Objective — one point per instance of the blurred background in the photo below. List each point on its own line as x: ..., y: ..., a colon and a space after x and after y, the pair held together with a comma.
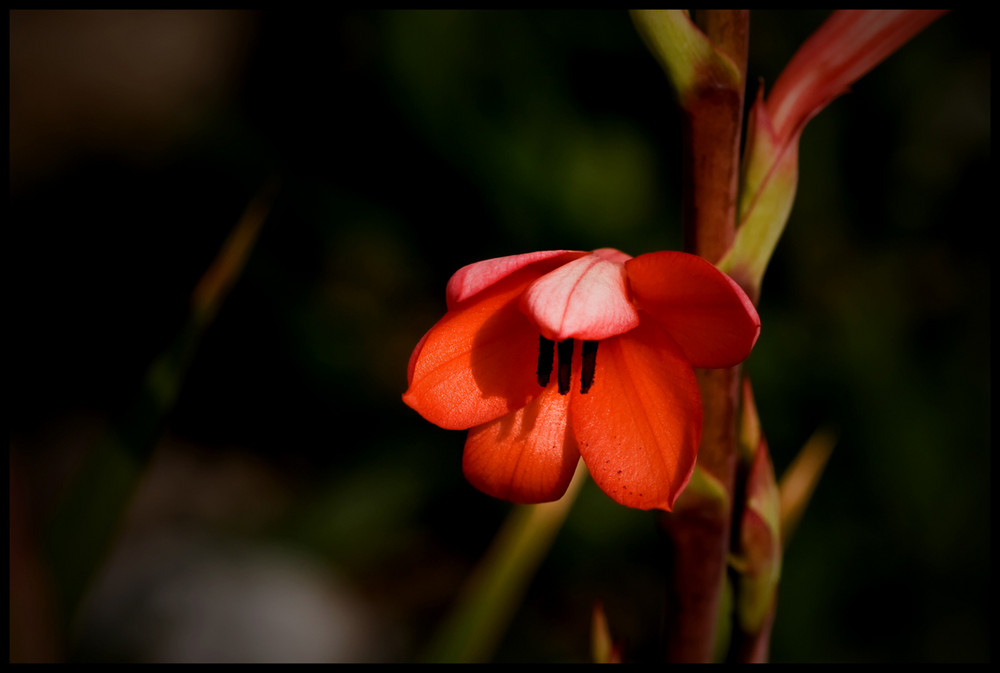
x: 289, y: 507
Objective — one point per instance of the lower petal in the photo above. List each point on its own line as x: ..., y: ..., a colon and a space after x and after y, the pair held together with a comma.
x: 639, y: 426
x: 527, y: 456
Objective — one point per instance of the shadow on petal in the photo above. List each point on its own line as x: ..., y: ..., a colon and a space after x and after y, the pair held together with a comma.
x: 477, y: 363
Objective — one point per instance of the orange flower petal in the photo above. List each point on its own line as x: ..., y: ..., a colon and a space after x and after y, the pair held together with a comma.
x: 700, y: 307
x: 528, y: 456
x: 586, y: 298
x: 639, y: 426
x: 478, y: 362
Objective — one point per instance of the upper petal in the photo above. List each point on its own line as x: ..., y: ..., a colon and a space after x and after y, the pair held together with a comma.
x: 586, y: 298
x: 478, y: 362
x: 701, y: 308
x: 613, y: 255
x: 472, y: 279
x: 639, y: 427
x: 527, y: 456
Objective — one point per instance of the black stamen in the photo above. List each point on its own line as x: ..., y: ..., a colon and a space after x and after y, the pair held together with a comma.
x: 565, y: 362
x: 589, y: 363
x: 546, y: 351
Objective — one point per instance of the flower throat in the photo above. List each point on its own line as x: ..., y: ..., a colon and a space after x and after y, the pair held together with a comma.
x: 546, y: 358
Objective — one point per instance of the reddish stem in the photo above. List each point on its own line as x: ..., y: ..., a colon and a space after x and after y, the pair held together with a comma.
x: 713, y: 124
x: 699, y: 530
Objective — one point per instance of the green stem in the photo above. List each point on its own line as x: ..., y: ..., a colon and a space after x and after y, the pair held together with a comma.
x: 89, y: 515
x: 480, y: 616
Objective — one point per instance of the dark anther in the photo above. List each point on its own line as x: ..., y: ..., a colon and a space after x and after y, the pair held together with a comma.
x: 565, y: 362
x: 546, y: 351
x: 589, y: 363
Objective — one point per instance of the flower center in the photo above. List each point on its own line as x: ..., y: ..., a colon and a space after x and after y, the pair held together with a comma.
x: 547, y: 354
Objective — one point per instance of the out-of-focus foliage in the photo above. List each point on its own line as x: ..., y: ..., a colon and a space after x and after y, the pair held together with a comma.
x: 408, y: 144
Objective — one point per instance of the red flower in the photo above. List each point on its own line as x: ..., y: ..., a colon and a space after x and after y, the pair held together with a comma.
x: 502, y: 363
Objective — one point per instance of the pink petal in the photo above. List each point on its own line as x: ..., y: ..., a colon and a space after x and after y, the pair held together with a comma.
x: 477, y: 363
x: 586, y: 298
x: 700, y: 307
x: 472, y: 279
x: 528, y: 456
x: 639, y: 426
x: 613, y: 255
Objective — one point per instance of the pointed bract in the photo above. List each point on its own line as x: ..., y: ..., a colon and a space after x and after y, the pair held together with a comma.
x: 842, y: 50
x: 848, y: 44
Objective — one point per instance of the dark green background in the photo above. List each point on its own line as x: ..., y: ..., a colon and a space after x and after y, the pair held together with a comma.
x: 408, y: 144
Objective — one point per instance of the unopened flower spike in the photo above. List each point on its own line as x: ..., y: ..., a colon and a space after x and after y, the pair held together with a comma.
x: 846, y: 47
x: 553, y: 356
